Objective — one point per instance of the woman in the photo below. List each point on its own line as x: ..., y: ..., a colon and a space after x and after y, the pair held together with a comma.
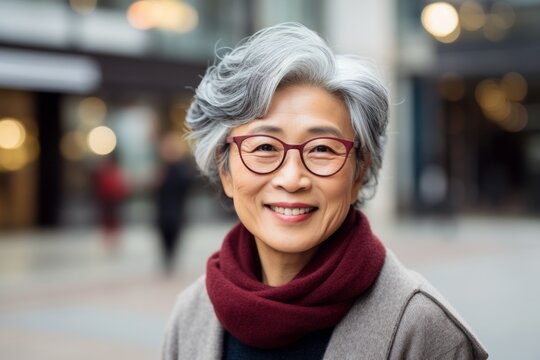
x: 293, y: 134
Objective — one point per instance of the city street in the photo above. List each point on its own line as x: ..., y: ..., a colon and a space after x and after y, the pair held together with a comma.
x: 64, y: 296
x: 118, y: 114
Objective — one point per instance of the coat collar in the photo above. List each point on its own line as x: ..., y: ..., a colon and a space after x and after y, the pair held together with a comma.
x: 373, y: 318
x: 368, y: 328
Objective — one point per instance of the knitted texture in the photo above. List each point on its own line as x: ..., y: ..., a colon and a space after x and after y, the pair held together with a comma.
x: 344, y: 266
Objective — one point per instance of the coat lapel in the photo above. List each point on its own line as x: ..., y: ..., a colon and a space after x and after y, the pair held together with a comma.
x: 213, y: 339
x: 366, y: 332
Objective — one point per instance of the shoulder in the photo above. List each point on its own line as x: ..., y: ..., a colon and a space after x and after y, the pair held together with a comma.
x: 428, y: 323
x: 190, y: 301
x: 192, y: 321
x: 429, y: 329
x: 184, y: 313
x: 428, y: 326
x: 402, y: 314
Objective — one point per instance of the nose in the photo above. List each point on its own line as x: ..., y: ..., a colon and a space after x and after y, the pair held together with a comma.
x: 292, y: 175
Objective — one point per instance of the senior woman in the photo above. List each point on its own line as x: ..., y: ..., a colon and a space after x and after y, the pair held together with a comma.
x: 294, y: 134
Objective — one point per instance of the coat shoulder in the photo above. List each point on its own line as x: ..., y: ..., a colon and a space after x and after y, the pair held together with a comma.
x: 190, y: 301
x: 403, y: 317
x: 428, y: 329
x: 193, y: 331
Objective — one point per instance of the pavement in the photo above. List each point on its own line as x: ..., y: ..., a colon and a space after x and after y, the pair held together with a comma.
x: 65, y: 295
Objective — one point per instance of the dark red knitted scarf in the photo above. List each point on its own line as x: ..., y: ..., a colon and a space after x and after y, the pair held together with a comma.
x: 345, y: 265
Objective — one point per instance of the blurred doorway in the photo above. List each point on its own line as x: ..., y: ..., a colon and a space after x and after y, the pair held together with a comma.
x: 477, y: 144
x: 19, y: 150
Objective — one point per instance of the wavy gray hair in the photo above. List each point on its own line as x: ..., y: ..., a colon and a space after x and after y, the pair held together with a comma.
x: 240, y: 86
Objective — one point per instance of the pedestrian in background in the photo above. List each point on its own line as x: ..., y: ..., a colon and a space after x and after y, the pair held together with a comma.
x: 111, y: 189
x: 174, y: 182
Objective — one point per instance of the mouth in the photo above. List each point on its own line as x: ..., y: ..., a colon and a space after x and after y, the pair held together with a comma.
x: 291, y: 209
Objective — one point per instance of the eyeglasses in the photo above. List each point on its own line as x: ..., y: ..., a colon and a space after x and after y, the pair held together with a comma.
x: 322, y: 156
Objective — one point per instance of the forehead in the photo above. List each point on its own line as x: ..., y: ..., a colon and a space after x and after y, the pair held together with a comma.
x: 301, y: 111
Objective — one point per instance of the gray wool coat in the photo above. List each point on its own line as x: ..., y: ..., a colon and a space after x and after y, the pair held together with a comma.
x: 400, y: 317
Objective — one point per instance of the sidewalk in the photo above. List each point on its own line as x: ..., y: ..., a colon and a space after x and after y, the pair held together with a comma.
x: 62, y: 296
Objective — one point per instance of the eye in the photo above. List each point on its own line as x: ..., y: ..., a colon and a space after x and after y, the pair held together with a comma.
x: 322, y: 148
x: 265, y: 147
x: 325, y: 147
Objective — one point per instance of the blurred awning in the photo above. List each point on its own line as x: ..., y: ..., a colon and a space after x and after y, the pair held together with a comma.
x: 40, y: 70
x: 54, y: 70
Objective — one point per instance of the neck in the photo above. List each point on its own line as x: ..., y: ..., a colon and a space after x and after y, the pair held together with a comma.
x: 279, y: 268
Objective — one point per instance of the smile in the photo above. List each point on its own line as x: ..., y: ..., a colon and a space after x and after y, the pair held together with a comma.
x: 291, y: 211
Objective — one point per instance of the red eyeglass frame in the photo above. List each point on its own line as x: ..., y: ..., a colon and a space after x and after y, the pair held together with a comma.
x: 349, y: 145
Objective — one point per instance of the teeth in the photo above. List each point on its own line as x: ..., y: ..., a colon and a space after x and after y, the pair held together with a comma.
x: 289, y: 211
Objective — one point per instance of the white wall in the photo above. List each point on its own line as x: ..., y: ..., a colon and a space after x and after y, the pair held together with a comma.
x: 368, y: 28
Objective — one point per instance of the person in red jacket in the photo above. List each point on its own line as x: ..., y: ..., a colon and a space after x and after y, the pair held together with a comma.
x: 111, y: 191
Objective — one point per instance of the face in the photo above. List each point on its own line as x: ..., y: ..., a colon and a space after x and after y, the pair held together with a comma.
x: 292, y: 211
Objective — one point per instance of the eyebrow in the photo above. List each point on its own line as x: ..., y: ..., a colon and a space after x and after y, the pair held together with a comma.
x: 318, y: 130
x: 265, y: 129
x: 325, y: 130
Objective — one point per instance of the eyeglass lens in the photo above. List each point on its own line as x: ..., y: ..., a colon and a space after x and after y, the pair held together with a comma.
x: 321, y: 156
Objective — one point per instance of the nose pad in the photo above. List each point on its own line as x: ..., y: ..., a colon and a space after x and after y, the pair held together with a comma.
x: 292, y: 175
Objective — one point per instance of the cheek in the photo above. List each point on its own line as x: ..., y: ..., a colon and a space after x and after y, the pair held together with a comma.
x: 226, y: 182
x: 356, y: 180
x: 346, y: 189
x: 245, y: 188
x: 246, y: 185
x: 336, y: 193
x: 231, y: 183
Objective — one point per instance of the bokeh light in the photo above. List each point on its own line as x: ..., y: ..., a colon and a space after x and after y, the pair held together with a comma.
x: 499, y: 101
x: 492, y: 31
x: 472, y: 16
x: 515, y: 86
x: 492, y: 99
x: 73, y: 145
x: 503, y: 15
x: 32, y: 147
x: 171, y: 15
x: 101, y: 140
x: 178, y: 16
x: 14, y: 159
x: 517, y: 119
x: 489, y: 95
x: 12, y: 133
x: 140, y: 15
x: 92, y: 112
x: 83, y: 7
x: 440, y: 19
x: 453, y: 36
x: 499, y: 21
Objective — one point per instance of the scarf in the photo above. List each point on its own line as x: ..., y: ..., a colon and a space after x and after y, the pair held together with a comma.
x: 345, y: 265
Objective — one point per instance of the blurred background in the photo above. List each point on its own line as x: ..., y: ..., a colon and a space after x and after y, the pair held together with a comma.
x: 93, y: 95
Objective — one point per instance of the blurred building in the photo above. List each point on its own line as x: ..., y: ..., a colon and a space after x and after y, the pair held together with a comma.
x: 82, y: 78
x: 469, y: 101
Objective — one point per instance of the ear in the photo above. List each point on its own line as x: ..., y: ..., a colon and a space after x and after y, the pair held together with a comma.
x: 357, y: 185
x: 226, y: 181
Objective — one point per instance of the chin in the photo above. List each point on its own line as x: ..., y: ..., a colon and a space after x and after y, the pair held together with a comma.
x: 292, y: 246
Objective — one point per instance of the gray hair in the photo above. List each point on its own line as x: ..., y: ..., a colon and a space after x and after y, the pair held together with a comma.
x: 240, y: 86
